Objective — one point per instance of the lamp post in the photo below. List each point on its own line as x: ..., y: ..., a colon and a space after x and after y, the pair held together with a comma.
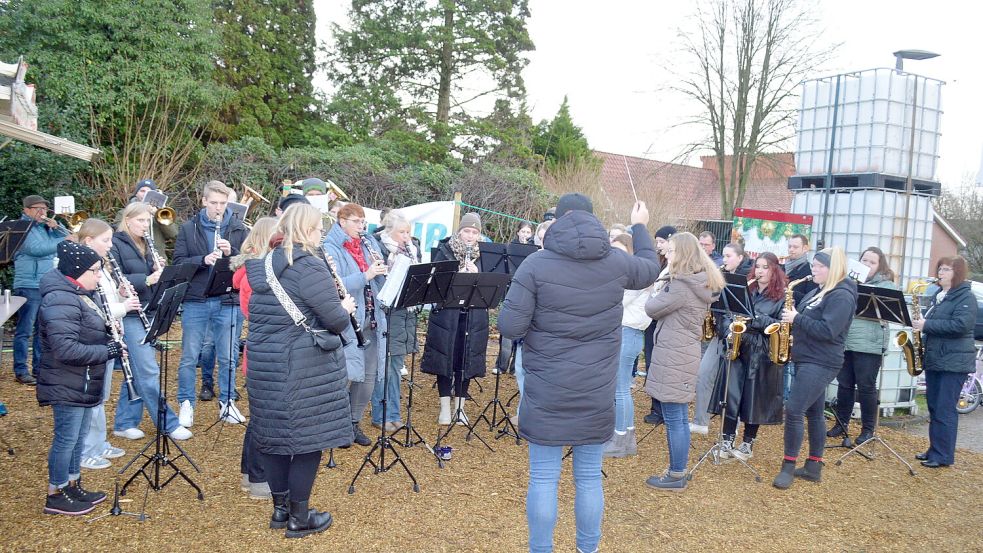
x: 899, y: 57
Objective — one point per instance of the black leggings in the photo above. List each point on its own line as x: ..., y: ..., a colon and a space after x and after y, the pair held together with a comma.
x: 447, y: 386
x: 293, y: 473
x: 859, y: 371
x: 730, y: 429
x: 805, y: 401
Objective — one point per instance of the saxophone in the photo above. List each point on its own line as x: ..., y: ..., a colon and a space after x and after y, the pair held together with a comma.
x: 737, y: 329
x: 709, y: 325
x: 912, y: 348
x: 780, y: 334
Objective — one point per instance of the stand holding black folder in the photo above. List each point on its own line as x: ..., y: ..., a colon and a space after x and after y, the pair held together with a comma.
x: 12, y: 235
x: 884, y: 306
x: 470, y: 291
x: 424, y: 283
x: 735, y: 300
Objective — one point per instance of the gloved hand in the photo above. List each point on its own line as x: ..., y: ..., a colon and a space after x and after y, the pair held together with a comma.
x: 115, y: 349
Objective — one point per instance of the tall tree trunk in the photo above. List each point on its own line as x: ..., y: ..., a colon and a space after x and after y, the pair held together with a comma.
x: 446, y: 71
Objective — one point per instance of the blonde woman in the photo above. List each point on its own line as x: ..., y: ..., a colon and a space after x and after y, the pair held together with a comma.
x: 679, y: 308
x: 298, y: 385
x: 137, y: 264
x: 820, y: 324
x: 256, y: 245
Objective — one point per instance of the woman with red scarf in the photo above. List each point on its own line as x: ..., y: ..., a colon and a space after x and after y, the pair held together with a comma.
x: 363, y: 278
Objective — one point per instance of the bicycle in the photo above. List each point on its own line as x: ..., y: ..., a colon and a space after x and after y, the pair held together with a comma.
x: 972, y: 393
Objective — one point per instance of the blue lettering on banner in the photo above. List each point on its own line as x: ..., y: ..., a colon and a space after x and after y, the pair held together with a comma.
x: 430, y: 234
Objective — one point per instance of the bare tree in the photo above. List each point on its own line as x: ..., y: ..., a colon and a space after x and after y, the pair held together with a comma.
x: 743, y: 65
x: 963, y: 209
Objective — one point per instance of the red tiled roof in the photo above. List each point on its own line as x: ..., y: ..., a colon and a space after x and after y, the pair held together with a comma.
x: 694, y: 191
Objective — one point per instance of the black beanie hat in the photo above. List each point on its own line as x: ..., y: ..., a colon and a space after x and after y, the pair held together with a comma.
x: 291, y: 199
x: 74, y: 259
x: 145, y: 182
x: 573, y: 202
x: 665, y: 232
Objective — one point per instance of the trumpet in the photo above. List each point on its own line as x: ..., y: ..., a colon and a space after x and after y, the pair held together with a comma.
x: 74, y: 221
x: 165, y: 216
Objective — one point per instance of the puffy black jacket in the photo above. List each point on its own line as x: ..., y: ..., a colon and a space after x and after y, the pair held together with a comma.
x: 948, y: 331
x: 445, y: 335
x: 192, y: 245
x: 566, y: 301
x: 298, y: 393
x: 819, y: 331
x: 74, y: 342
x: 134, y: 265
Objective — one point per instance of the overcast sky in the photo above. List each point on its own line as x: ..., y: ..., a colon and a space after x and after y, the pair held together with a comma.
x: 610, y: 61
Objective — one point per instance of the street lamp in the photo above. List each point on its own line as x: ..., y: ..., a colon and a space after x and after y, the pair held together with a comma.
x: 902, y: 55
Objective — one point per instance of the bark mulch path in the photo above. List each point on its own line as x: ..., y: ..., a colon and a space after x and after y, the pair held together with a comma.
x: 477, y: 503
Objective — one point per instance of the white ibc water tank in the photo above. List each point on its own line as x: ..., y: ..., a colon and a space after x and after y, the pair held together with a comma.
x: 873, y: 124
x: 862, y: 218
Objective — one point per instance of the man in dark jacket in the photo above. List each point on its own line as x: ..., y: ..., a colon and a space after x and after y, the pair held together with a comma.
x: 798, y: 265
x: 202, y: 241
x: 565, y: 301
x: 76, y: 349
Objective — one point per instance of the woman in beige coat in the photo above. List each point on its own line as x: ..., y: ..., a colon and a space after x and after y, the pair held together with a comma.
x: 694, y: 281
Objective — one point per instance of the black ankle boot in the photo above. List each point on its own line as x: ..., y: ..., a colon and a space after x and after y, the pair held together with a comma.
x: 304, y: 521
x: 785, y: 478
x: 76, y: 492
x: 812, y: 471
x: 360, y: 437
x: 835, y: 432
x: 281, y: 511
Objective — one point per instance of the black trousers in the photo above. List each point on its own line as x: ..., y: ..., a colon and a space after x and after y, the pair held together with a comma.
x: 859, y: 373
x: 292, y: 473
x: 250, y: 463
x: 942, y: 390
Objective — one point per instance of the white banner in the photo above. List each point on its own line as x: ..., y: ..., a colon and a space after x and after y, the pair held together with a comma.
x: 431, y: 222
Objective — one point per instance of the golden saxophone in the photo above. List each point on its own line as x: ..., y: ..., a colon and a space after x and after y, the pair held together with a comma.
x: 780, y: 334
x: 737, y: 329
x: 709, y: 326
x: 912, y: 348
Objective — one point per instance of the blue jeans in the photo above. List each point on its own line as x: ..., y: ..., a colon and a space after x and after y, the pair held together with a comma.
x: 392, y: 392
x: 206, y: 360
x: 789, y: 375
x: 197, y: 317
x: 624, y: 405
x: 95, y: 434
x: 146, y: 379
x: 942, y: 390
x: 27, y: 325
x: 544, y: 479
x: 677, y: 434
x: 65, y: 455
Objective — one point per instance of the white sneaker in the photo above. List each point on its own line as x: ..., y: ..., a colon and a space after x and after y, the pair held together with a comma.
x: 698, y: 429
x: 129, y: 433
x: 186, y: 417
x: 230, y: 414
x: 403, y: 371
x: 113, y: 453
x: 95, y: 463
x: 180, y: 433
x: 744, y: 452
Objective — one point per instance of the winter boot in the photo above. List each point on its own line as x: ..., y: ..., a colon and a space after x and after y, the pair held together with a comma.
x: 444, y: 418
x: 784, y: 478
x: 304, y: 521
x: 280, y: 510
x: 631, y: 445
x: 812, y: 471
x: 615, y: 447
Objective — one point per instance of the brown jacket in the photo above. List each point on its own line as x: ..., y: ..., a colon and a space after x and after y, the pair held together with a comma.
x: 679, y: 310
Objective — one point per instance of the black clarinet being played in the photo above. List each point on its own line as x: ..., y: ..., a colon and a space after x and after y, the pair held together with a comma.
x: 361, y: 341
x: 116, y: 331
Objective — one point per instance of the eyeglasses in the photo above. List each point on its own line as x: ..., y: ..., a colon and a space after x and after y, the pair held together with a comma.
x: 96, y: 271
x: 358, y: 222
x: 946, y: 269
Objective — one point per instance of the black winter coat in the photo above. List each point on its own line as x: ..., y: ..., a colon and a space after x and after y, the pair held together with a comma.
x: 402, y: 323
x: 948, y: 331
x: 819, y: 331
x: 801, y: 289
x: 134, y: 265
x: 298, y: 393
x: 74, y: 342
x: 445, y: 335
x: 756, y: 384
x: 191, y: 247
x: 566, y: 301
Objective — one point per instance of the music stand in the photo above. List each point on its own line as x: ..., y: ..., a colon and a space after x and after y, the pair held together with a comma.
x: 428, y: 283
x: 493, y: 258
x: 220, y: 284
x: 884, y: 306
x: 470, y: 291
x: 418, y: 276
x: 12, y: 235
x: 736, y: 300
x: 159, y: 327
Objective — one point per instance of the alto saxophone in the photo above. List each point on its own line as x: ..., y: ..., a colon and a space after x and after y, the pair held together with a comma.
x: 737, y: 329
x: 912, y: 348
x: 780, y: 334
x: 709, y: 326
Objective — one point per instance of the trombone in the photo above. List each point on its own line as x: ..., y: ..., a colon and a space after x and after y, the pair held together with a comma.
x: 74, y: 220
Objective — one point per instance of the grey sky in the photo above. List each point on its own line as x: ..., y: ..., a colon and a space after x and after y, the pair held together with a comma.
x: 609, y: 58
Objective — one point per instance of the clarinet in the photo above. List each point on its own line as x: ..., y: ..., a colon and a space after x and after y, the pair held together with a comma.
x: 218, y: 234
x: 149, y: 239
x: 117, y: 332
x: 121, y: 280
x: 361, y: 341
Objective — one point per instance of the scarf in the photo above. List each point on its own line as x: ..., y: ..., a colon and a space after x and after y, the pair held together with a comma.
x: 463, y: 252
x: 791, y: 264
x: 354, y: 247
x: 409, y: 250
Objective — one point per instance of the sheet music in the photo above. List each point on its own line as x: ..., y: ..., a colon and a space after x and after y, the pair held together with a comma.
x: 857, y: 270
x: 394, y: 281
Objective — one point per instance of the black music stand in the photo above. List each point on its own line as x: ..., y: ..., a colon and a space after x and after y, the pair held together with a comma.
x: 416, y: 275
x: 736, y: 300
x: 12, y: 235
x: 470, y: 291
x: 220, y: 284
x: 884, y: 306
x: 159, y: 327
x: 427, y: 283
